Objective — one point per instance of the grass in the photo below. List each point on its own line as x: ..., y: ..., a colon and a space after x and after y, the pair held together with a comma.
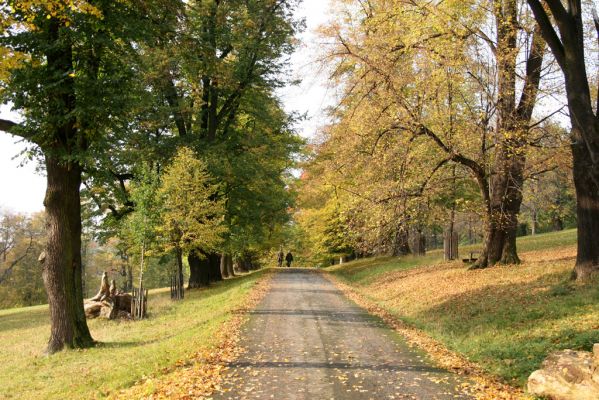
x: 506, y: 319
x: 127, y: 350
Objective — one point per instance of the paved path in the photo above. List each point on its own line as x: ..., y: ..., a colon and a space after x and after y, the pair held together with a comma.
x: 306, y: 340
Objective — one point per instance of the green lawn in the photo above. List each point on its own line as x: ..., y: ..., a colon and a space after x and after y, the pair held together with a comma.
x: 364, y: 271
x: 507, y: 318
x: 128, y: 350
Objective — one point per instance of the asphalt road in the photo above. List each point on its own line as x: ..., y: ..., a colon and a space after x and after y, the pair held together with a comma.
x: 306, y: 340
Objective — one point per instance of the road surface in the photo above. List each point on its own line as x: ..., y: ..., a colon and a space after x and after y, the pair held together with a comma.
x: 306, y: 340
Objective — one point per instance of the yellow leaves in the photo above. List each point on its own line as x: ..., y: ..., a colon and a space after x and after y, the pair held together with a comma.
x: 483, y: 386
x: 60, y: 9
x: 203, y: 373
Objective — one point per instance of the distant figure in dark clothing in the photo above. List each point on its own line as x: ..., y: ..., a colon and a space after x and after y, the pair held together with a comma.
x: 289, y: 258
x: 280, y: 258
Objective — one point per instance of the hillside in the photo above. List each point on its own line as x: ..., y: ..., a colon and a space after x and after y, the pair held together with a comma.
x: 505, y: 318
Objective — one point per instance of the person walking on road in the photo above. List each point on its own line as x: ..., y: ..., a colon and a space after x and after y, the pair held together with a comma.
x: 289, y: 259
x: 280, y: 258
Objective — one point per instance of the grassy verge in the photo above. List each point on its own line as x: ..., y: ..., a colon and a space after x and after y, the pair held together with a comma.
x: 128, y: 350
x: 506, y: 319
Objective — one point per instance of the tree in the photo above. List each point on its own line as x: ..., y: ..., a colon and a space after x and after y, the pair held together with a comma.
x: 192, y: 211
x: 21, y: 242
x: 71, y: 90
x: 568, y: 48
x: 140, y: 227
x: 454, y: 102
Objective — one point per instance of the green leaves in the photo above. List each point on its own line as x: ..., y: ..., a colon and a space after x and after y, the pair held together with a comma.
x: 193, y: 209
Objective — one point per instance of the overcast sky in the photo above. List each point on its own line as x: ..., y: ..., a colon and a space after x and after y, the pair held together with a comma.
x: 22, y: 189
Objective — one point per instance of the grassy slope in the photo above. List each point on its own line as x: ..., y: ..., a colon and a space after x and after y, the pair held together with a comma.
x: 505, y: 318
x: 128, y: 350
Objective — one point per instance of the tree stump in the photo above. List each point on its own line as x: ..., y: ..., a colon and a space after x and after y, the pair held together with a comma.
x: 109, y: 303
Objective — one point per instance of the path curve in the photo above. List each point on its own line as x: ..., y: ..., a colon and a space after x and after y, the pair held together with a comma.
x: 306, y: 340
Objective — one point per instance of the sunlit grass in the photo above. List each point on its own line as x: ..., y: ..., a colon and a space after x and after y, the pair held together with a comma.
x: 127, y: 350
x: 505, y: 318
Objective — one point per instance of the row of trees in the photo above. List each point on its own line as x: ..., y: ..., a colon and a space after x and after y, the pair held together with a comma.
x: 146, y: 106
x: 449, y: 108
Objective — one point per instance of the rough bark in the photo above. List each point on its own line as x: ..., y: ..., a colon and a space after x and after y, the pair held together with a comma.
x: 587, y: 212
x: 505, y: 197
x: 198, y: 271
x: 214, y: 273
x: 62, y: 264
x: 568, y: 49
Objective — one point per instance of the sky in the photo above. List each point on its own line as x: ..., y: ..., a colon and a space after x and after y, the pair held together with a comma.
x: 22, y: 188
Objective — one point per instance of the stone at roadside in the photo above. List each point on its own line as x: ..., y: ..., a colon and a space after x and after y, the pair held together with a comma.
x: 568, y: 375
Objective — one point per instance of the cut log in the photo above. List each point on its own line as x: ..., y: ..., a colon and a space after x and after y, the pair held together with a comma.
x: 104, y: 289
x: 109, y: 303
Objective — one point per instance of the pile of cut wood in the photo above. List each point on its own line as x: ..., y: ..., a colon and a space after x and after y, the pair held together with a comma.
x: 109, y: 303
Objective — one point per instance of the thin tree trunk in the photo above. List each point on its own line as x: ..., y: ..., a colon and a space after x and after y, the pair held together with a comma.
x: 179, y: 283
x: 401, y: 245
x: 223, y: 266
x: 230, y: 265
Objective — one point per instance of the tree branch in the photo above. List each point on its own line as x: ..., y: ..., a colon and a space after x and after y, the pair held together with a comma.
x: 534, y: 65
x: 7, y: 271
x: 549, y: 33
x: 8, y: 126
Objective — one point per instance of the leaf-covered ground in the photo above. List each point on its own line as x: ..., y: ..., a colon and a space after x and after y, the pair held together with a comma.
x: 130, y: 352
x: 200, y: 375
x: 505, y: 319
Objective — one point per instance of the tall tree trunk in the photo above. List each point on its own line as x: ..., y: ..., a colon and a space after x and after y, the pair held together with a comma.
x: 62, y: 264
x: 401, y: 245
x: 214, y: 267
x: 230, y: 265
x: 223, y: 266
x: 568, y: 49
x: 506, y: 201
x: 179, y: 256
x: 62, y: 270
x: 587, y: 212
x: 198, y: 271
x: 505, y: 197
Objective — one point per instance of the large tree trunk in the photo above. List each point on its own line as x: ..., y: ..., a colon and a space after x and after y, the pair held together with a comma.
x: 62, y: 263
x: 198, y: 271
x: 401, y: 245
x: 214, y: 267
x: 505, y: 197
x: 587, y: 212
x: 62, y: 270
x: 506, y: 200
x: 568, y: 49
